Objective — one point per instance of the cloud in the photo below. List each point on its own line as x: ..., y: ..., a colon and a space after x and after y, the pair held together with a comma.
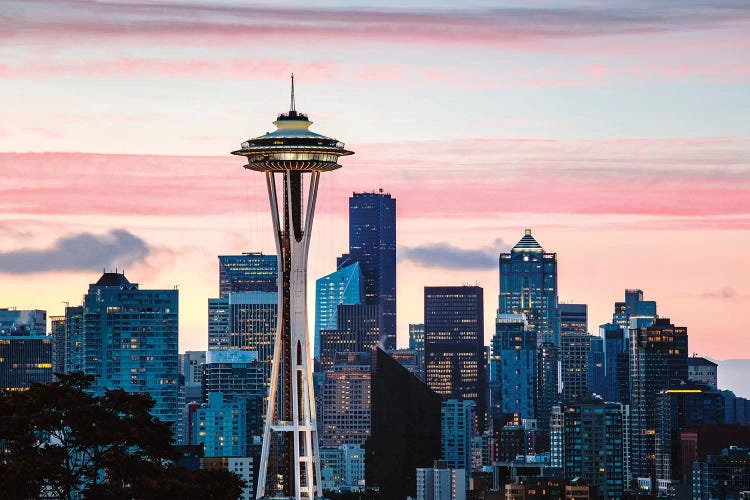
x: 447, y: 256
x: 79, y: 252
x: 228, y: 23
x: 724, y: 293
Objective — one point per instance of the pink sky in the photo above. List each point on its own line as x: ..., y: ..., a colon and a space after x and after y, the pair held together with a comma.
x: 620, y: 135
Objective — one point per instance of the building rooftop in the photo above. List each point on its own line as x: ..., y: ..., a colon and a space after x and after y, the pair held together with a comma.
x: 698, y: 361
x: 527, y: 244
x: 112, y: 279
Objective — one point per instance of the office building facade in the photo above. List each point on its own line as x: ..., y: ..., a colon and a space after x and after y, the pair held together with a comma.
x: 454, y: 344
x: 575, y: 349
x: 248, y: 272
x: 658, y: 361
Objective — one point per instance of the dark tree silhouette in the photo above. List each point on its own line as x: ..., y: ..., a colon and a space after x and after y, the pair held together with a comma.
x: 59, y: 441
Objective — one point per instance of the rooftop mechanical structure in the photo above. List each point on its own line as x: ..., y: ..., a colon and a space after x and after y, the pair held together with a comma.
x: 292, y: 159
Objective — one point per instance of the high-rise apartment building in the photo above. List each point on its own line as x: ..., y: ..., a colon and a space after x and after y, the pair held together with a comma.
x: 458, y: 428
x: 658, y: 361
x: 575, y: 348
x: 344, y: 286
x: 454, y: 344
x: 126, y: 337
x: 513, y: 367
x: 249, y: 272
x: 528, y: 285
x: 220, y: 426
x: 593, y: 445
x: 372, y: 243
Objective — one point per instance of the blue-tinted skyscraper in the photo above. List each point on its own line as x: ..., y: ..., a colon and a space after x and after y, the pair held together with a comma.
x: 454, y: 343
x: 634, y: 307
x: 513, y: 367
x: 372, y: 243
x: 126, y: 337
x: 249, y: 272
x: 344, y: 286
x: 593, y: 445
x: 458, y: 428
x: 528, y: 285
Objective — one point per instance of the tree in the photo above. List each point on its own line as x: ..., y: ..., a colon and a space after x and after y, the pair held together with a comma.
x: 59, y: 441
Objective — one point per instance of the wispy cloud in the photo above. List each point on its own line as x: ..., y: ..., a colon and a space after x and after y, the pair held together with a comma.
x: 724, y: 293
x: 495, y: 25
x: 447, y: 256
x: 78, y: 252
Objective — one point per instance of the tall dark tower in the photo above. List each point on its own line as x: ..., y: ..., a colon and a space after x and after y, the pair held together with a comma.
x: 296, y: 156
x: 372, y: 243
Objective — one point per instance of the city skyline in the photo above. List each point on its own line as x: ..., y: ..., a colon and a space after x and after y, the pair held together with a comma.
x: 652, y: 195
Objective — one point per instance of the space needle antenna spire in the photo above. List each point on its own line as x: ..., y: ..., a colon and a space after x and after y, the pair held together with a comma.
x: 292, y: 159
x: 291, y: 105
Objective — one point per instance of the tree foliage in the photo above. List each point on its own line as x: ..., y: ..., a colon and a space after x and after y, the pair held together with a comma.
x: 59, y: 441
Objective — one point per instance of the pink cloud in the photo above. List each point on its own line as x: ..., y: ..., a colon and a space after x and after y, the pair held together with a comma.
x: 671, y: 177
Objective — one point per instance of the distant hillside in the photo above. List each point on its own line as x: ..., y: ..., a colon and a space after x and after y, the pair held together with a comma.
x: 734, y: 374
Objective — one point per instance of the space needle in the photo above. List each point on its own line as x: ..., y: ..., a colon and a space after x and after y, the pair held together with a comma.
x: 292, y: 158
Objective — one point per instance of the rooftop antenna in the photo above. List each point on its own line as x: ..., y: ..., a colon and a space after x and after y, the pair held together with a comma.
x: 291, y: 106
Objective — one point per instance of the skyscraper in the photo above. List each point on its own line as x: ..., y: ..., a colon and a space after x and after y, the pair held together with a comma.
x: 454, y: 343
x: 292, y: 154
x: 546, y: 392
x: 344, y: 286
x: 345, y: 402
x: 513, y: 367
x: 25, y: 349
x: 126, y: 337
x: 249, y: 272
x: 458, y: 428
x: 528, y: 285
x: 245, y: 321
x: 372, y: 243
x: 575, y: 347
x: 593, y: 445
x: 658, y: 361
x: 357, y: 331
x: 634, y: 307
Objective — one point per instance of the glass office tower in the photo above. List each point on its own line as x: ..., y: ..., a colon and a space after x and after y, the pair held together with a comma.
x: 528, y: 285
x: 372, y: 243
